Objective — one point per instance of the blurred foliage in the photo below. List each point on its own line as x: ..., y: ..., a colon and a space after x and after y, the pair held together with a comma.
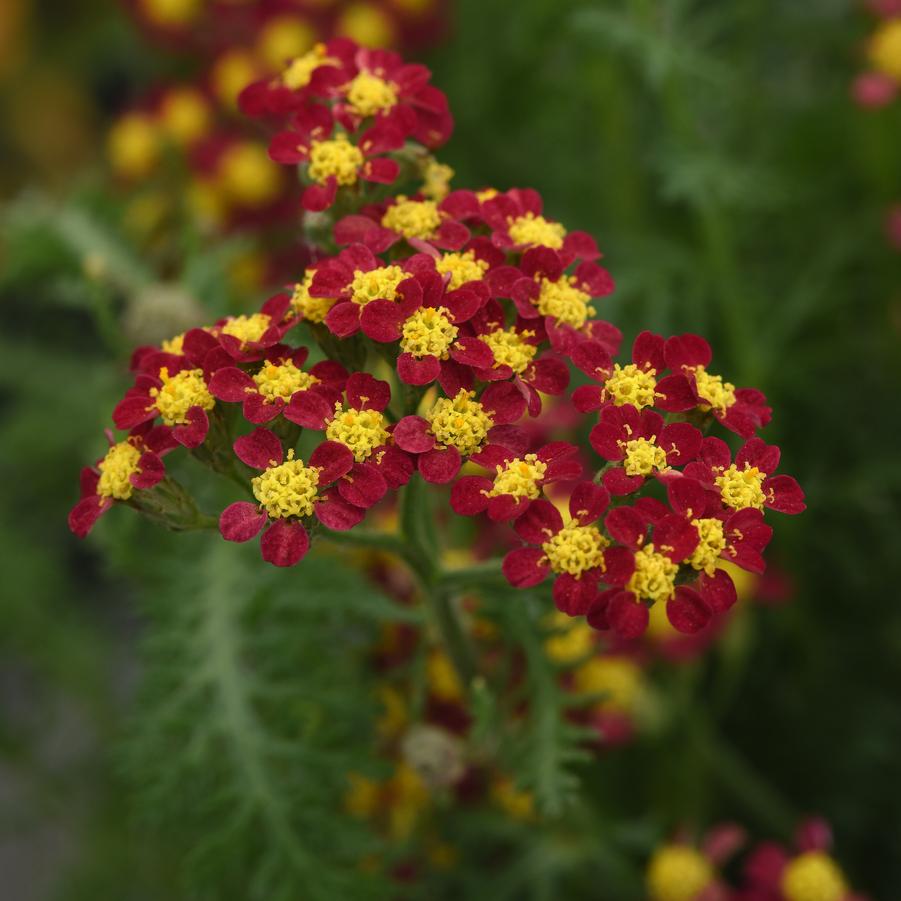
x: 714, y: 151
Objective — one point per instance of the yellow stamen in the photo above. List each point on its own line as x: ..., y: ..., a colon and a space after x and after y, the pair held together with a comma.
x: 116, y: 470
x: 460, y: 422
x: 654, y: 577
x: 336, y: 158
x: 280, y: 381
x: 532, y: 229
x: 412, y: 218
x: 564, y: 302
x: 742, y: 488
x: 362, y: 431
x: 179, y: 393
x: 429, y: 333
x: 287, y: 489
x: 575, y: 549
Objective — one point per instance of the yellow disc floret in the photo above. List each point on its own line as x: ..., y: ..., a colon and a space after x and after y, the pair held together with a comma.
x: 719, y: 395
x: 564, y: 302
x: 376, y: 284
x: 336, y: 158
x: 412, y: 218
x: 288, y: 489
x: 300, y: 71
x: 885, y: 49
x: 313, y: 309
x: 179, y: 393
x: 618, y: 679
x: 813, y: 876
x: 368, y: 94
x: 510, y: 348
x: 643, y: 457
x: 247, y: 328
x: 174, y: 345
x: 463, y: 267
x: 655, y: 575
x: 711, y: 543
x: 519, y: 477
x: 436, y: 179
x: 280, y: 381
x: 742, y: 488
x: 428, y: 333
x: 575, y: 549
x: 532, y: 229
x: 631, y: 385
x: 116, y: 470
x: 460, y: 422
x: 678, y: 873
x: 361, y: 431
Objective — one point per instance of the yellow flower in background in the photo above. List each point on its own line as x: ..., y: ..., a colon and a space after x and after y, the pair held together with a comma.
x: 618, y: 679
x: 185, y: 115
x: 678, y: 873
x: 575, y: 639
x: 885, y: 48
x: 442, y: 678
x: 282, y: 39
x: 171, y: 13
x: 133, y: 145
x: 231, y: 73
x: 247, y: 175
x: 517, y: 804
x: 813, y: 876
x: 367, y: 25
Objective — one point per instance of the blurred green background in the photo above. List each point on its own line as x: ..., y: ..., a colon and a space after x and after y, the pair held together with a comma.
x: 715, y: 152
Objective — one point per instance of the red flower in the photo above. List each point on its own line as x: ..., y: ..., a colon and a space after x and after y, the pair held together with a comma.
x: 472, y: 267
x: 245, y: 338
x: 742, y: 410
x: 129, y: 465
x: 457, y: 427
x: 333, y: 162
x: 644, y: 445
x: 748, y: 482
x: 577, y: 553
x: 289, y: 492
x: 518, y: 479
x: 266, y: 392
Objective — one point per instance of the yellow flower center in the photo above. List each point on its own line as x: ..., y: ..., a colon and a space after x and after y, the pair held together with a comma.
x: 282, y: 380
x: 299, y: 72
x: 436, y: 179
x: 574, y: 641
x: 654, y: 576
x: 368, y: 94
x: 249, y: 176
x: 564, y: 302
x: 618, y: 679
x: 247, y: 328
x: 116, y: 468
x: 719, y: 394
x: 711, y: 543
x: 463, y: 267
x: 519, y: 477
x: 361, y: 431
x: 412, y: 218
x: 179, y: 393
x: 460, y: 422
x: 642, y: 456
x: 288, y: 489
x: 174, y: 345
x: 510, y: 348
x: 532, y: 229
x: 428, y: 333
x: 336, y: 157
x: 133, y: 145
x: 741, y: 488
x: 885, y: 49
x: 284, y: 37
x: 368, y: 25
x: 185, y: 115
x: 377, y: 284
x: 813, y: 877
x: 678, y: 873
x: 575, y: 549
x: 313, y: 309
x: 631, y: 385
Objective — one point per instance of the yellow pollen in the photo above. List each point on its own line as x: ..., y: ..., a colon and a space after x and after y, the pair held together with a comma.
x: 282, y: 380
x: 368, y: 94
x: 741, y: 488
x: 299, y: 72
x: 174, y: 345
x: 361, y: 431
x: 678, y: 873
x: 719, y: 395
x: 510, y: 348
x: 618, y: 679
x: 885, y: 49
x: 463, y: 267
x: 179, y: 393
x: 573, y: 642
x: 377, y: 284
x: 336, y: 157
x: 575, y: 549
x: 654, y: 576
x: 247, y: 328
x: 288, y: 489
x: 460, y: 422
x: 532, y: 229
x: 631, y: 385
x: 428, y: 333
x: 519, y: 478
x: 313, y: 309
x: 642, y: 456
x: 116, y: 468
x: 712, y: 543
x: 813, y: 877
x: 436, y: 179
x: 412, y: 218
x: 564, y: 302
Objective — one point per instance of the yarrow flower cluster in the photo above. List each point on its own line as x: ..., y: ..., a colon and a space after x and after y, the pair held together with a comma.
x: 447, y: 325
